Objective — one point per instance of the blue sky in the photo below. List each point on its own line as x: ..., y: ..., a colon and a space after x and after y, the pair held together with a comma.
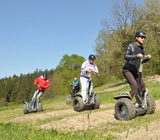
x: 37, y: 33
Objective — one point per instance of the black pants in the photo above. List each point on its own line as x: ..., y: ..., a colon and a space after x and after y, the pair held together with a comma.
x: 133, y: 82
x: 74, y: 92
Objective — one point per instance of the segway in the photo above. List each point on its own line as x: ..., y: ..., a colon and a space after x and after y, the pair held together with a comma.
x: 125, y: 109
x: 93, y: 100
x: 69, y: 98
x: 34, y: 107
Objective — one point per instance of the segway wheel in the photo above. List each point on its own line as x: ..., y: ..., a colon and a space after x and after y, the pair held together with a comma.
x: 151, y: 105
x: 97, y: 102
x: 78, y: 104
x: 124, y: 109
x: 40, y: 108
x: 25, y: 109
x: 68, y: 100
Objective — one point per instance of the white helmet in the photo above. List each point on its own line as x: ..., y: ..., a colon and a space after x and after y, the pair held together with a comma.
x: 75, y: 78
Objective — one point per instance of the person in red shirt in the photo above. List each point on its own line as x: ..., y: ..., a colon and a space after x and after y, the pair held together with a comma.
x: 41, y: 84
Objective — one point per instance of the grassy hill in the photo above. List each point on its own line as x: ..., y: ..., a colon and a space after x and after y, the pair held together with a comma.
x: 59, y: 122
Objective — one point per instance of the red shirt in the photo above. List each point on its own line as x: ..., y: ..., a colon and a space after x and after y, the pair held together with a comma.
x: 42, y: 82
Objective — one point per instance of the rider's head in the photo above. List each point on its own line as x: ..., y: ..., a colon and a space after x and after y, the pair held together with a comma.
x: 75, y: 79
x: 44, y: 75
x: 92, y: 58
x: 140, y: 37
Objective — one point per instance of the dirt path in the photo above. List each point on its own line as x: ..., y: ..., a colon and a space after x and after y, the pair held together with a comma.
x: 52, y: 114
x: 82, y: 121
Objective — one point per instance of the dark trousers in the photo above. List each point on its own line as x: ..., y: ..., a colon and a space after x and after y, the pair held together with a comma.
x: 133, y: 82
x: 74, y: 92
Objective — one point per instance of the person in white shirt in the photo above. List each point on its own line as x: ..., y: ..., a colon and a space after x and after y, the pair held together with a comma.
x: 87, y: 69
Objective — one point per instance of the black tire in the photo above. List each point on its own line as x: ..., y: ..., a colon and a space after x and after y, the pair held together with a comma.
x: 39, y: 108
x: 25, y: 108
x: 151, y: 105
x: 97, y: 102
x: 68, y: 100
x: 124, y: 109
x: 78, y: 104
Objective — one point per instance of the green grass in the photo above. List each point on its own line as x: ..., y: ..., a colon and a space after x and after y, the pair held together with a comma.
x: 15, y: 131
x: 107, y: 131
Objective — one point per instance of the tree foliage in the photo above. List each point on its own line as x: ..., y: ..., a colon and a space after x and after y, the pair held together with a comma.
x: 127, y: 19
x: 68, y: 68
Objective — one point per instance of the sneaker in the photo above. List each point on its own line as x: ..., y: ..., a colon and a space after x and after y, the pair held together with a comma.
x: 142, y: 106
x: 136, y: 104
x: 90, y: 102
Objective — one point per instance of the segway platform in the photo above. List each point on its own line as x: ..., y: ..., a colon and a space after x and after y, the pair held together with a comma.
x: 26, y: 108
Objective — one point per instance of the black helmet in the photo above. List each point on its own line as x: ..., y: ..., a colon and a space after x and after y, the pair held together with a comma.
x: 92, y: 57
x: 44, y: 74
x: 140, y: 34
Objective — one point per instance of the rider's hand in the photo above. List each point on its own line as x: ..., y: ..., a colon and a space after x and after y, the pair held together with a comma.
x: 139, y: 55
x: 148, y: 56
x: 36, y: 85
x: 41, y: 86
x: 95, y: 73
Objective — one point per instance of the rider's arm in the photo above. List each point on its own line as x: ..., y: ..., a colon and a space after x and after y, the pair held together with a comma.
x: 36, y: 82
x: 84, y: 68
x: 96, y: 72
x: 129, y: 53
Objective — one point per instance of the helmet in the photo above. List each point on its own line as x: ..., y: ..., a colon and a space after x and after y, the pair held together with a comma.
x: 92, y: 57
x: 75, y: 78
x: 140, y: 34
x: 44, y: 74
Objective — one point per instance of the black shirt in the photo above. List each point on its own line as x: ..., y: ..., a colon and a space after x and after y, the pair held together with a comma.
x: 133, y: 62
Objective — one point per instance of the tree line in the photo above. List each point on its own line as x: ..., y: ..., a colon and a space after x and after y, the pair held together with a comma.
x: 18, y: 89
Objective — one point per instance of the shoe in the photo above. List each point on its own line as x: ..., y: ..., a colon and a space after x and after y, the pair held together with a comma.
x: 90, y: 102
x: 136, y: 105
x: 142, y: 106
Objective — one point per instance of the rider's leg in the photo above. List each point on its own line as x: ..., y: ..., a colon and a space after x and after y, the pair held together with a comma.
x: 90, y: 92
x: 72, y: 94
x: 32, y: 100
x: 38, y: 96
x: 84, y: 83
x: 143, y: 89
x: 132, y: 82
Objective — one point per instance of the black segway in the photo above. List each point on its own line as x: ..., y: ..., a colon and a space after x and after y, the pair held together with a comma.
x: 125, y: 109
x: 93, y: 100
x: 69, y: 98
x: 34, y: 108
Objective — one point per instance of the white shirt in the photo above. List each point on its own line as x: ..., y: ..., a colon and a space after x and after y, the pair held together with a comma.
x: 86, y: 66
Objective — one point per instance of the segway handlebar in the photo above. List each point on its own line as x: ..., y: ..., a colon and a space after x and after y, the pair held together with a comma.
x: 145, y: 57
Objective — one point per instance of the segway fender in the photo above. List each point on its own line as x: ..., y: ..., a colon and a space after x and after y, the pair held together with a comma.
x: 145, y: 97
x: 27, y: 105
x: 123, y: 95
x: 77, y: 95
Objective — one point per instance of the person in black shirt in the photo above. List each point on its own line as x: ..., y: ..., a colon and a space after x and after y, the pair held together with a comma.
x: 134, y: 52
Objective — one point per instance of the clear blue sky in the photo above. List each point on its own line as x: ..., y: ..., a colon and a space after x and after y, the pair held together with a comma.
x: 37, y: 33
